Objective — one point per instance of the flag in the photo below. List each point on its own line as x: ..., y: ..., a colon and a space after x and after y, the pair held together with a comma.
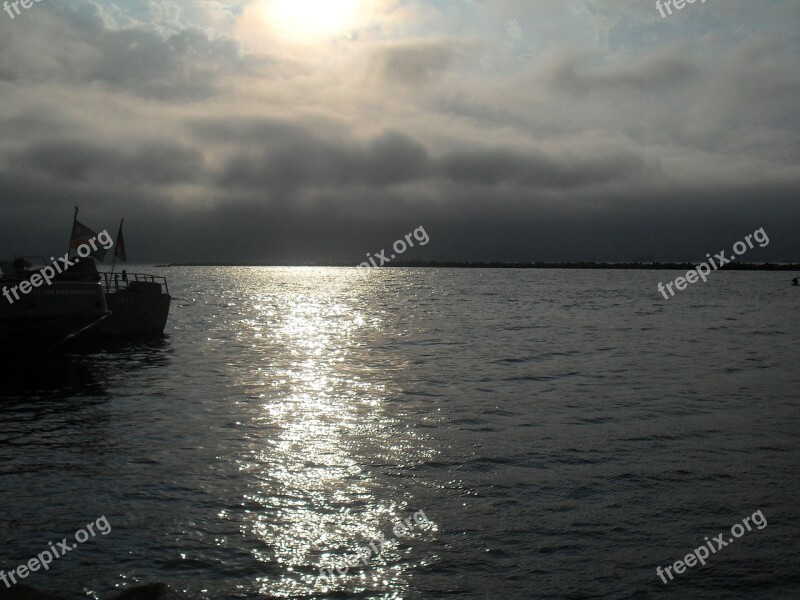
x: 119, y: 248
x: 81, y: 235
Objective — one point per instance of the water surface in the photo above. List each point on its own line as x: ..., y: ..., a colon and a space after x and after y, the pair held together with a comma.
x: 563, y: 432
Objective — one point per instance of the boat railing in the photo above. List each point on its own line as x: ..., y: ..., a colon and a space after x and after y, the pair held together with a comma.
x: 118, y: 282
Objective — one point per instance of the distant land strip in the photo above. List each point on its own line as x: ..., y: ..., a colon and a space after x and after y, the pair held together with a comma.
x: 654, y: 266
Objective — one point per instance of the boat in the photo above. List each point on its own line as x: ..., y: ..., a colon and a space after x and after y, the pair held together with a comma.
x: 139, y: 302
x: 46, y: 316
x: 796, y: 281
x: 139, y: 305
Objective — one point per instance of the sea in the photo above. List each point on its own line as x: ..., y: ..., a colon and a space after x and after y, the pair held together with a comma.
x: 418, y: 433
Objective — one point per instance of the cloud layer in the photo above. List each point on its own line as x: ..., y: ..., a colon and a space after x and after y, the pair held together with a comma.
x: 580, y: 129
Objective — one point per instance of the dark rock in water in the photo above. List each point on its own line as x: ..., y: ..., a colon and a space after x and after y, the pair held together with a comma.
x: 156, y: 591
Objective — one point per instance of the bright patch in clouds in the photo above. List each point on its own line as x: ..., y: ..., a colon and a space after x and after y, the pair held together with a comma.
x: 309, y: 20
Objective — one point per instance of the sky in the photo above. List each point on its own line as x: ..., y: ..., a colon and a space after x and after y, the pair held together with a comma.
x: 316, y: 131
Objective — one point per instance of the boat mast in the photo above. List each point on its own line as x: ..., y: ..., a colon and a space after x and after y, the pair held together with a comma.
x: 71, y: 231
x: 114, y: 262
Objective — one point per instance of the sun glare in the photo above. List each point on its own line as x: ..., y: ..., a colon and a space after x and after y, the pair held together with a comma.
x: 306, y: 20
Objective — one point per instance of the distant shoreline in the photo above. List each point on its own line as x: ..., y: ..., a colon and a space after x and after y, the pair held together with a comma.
x: 655, y: 266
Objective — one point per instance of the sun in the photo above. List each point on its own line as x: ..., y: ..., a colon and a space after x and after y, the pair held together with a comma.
x: 307, y: 20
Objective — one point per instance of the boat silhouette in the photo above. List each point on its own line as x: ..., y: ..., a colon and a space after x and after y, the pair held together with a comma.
x: 139, y: 302
x: 49, y: 315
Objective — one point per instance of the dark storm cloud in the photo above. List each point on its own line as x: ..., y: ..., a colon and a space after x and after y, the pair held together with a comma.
x: 298, y: 159
x: 508, y: 225
x: 493, y: 167
x: 288, y: 157
x: 162, y: 163
x: 465, y: 222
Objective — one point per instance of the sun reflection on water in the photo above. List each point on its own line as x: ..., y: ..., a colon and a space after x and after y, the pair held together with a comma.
x: 323, y: 430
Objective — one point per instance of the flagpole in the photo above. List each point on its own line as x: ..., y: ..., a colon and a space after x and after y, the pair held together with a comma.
x: 74, y: 220
x: 114, y: 262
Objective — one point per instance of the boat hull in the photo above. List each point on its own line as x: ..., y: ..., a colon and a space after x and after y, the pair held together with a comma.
x: 48, y: 317
x: 134, y: 312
